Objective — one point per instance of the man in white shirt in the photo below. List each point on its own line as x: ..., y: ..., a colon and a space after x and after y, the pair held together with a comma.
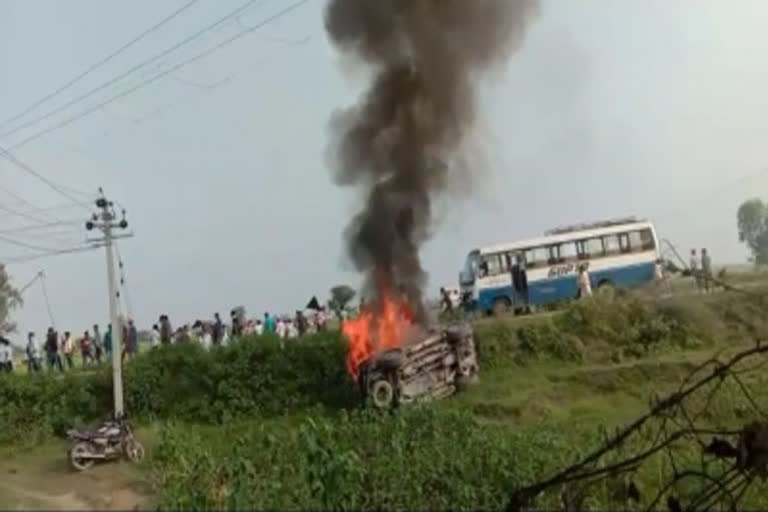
x: 154, y: 336
x: 585, y: 286
x: 6, y: 355
x: 693, y: 263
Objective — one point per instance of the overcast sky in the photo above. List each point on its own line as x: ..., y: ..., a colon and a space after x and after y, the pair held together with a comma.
x: 654, y: 108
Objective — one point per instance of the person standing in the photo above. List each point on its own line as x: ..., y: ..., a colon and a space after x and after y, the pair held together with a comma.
x: 237, y: 324
x: 693, y: 263
x: 52, y: 350
x: 706, y: 270
x: 33, y: 354
x: 585, y: 286
x: 6, y: 354
x: 280, y: 327
x: 108, y: 342
x: 269, y: 323
x: 258, y: 328
x: 166, y: 331
x: 154, y: 336
x: 218, y: 330
x: 86, y: 347
x: 445, y: 300
x: 322, y: 319
x: 206, y: 338
x: 520, y: 281
x: 97, y: 343
x: 301, y: 323
x: 131, y: 340
x: 291, y: 329
x: 68, y: 346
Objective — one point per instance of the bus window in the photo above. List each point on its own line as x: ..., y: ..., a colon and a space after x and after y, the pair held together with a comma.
x: 624, y: 242
x: 554, y: 254
x: 536, y: 257
x: 646, y: 237
x: 611, y: 243
x: 567, y: 252
x: 507, y: 259
x: 492, y: 264
x: 636, y: 241
x: 591, y: 248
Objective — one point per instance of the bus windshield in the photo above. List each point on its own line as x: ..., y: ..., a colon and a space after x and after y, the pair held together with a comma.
x: 467, y: 275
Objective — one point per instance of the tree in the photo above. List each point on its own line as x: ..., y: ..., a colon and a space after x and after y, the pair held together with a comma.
x: 10, y: 298
x: 753, y: 228
x: 341, y: 296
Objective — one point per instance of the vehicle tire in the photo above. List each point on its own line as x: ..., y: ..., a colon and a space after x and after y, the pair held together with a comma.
x: 134, y: 450
x: 383, y: 394
x: 78, y: 457
x: 501, y: 306
x: 605, y: 284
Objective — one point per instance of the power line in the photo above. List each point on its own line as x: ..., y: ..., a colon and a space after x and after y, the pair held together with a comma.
x: 41, y: 226
x: 21, y: 165
x: 57, y: 252
x: 25, y: 245
x: 22, y: 214
x: 155, y: 78
x: 131, y: 70
x: 100, y: 63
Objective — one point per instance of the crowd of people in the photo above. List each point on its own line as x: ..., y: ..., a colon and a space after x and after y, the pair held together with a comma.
x: 216, y: 332
x: 58, y: 350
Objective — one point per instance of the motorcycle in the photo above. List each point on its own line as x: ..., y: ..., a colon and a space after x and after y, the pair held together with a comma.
x: 113, y: 439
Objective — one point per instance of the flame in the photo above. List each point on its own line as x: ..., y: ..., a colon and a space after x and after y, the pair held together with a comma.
x: 373, y: 331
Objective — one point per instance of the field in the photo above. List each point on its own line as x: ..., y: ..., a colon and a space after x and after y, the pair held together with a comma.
x: 254, y: 426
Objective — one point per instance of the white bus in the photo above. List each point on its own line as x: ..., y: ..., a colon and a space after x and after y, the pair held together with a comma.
x: 621, y: 253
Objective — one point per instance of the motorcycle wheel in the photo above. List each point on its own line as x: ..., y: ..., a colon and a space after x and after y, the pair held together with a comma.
x: 134, y: 451
x: 79, y: 457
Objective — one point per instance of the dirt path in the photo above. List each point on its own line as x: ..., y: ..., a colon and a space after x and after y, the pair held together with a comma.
x: 42, y: 480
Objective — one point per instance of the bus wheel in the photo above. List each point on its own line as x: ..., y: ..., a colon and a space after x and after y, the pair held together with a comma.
x: 501, y: 305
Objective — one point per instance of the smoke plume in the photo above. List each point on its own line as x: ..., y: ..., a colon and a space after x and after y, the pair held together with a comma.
x: 401, y: 144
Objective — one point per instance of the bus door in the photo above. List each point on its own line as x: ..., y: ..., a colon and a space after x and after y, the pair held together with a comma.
x: 519, y: 278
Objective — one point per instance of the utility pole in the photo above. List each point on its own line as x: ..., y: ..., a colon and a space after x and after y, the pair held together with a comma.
x: 106, y: 221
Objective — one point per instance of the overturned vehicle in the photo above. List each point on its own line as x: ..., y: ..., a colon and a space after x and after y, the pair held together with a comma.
x: 433, y: 367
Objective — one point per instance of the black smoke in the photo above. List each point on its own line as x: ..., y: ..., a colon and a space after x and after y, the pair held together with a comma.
x: 401, y: 143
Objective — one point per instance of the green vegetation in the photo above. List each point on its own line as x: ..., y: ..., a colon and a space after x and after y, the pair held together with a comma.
x: 253, y: 425
x: 752, y: 220
x: 10, y: 298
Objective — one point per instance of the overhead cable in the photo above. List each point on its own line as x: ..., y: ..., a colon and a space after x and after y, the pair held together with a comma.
x: 100, y: 63
x: 127, y: 73
x: 157, y: 77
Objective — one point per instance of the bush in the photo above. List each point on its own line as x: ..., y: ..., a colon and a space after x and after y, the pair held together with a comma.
x: 417, y: 459
x: 252, y: 377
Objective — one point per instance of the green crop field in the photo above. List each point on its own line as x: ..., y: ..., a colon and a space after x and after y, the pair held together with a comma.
x: 252, y: 425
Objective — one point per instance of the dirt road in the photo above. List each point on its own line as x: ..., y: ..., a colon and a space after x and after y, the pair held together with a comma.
x: 41, y: 479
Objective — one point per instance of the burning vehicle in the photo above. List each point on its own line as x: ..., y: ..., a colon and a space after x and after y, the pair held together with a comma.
x: 395, y: 361
x: 411, y: 140
x: 435, y: 367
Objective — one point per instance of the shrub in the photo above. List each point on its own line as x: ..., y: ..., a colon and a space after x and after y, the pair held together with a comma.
x: 251, y: 377
x: 417, y: 459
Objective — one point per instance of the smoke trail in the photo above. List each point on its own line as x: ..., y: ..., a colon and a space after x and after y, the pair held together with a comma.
x: 401, y: 144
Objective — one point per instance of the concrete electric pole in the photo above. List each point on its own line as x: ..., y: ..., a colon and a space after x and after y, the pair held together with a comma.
x: 106, y: 221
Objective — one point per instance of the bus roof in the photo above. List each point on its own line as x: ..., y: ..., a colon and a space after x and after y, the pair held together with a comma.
x: 566, y: 237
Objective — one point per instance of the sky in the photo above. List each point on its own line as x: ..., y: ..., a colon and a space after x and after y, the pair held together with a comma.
x: 653, y: 108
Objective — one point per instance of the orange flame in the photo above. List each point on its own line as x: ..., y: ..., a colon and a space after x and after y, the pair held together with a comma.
x: 374, y: 331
